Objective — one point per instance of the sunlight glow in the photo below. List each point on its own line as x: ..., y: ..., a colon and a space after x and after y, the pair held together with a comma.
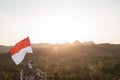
x: 61, y: 29
x: 59, y: 21
x: 55, y: 48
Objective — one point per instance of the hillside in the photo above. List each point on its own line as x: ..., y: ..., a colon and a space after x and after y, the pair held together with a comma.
x: 41, y: 45
x: 4, y: 49
x: 68, y: 62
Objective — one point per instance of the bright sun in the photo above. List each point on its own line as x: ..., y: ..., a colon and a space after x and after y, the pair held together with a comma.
x: 61, y: 29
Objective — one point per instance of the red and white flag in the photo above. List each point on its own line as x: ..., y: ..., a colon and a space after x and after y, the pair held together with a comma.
x: 19, y: 51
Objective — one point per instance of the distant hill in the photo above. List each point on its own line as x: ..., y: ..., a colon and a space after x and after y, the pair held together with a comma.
x: 41, y: 45
x: 4, y: 49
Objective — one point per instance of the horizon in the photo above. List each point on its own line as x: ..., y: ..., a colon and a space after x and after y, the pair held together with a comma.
x: 62, y: 43
x: 62, y: 21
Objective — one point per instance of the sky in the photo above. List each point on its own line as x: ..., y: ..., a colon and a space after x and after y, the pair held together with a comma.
x: 51, y: 21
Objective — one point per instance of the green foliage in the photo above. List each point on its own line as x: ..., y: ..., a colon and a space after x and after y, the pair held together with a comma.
x: 78, y: 62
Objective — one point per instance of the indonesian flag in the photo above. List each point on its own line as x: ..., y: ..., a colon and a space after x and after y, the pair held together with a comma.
x: 19, y: 51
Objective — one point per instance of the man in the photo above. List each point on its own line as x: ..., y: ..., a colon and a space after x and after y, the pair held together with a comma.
x: 21, y: 75
x: 40, y: 75
x: 30, y: 67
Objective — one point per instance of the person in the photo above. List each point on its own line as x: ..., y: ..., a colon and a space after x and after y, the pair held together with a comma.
x: 30, y: 77
x: 30, y: 67
x: 21, y: 75
x: 40, y: 75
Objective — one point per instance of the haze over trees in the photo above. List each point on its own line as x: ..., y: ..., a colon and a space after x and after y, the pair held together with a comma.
x: 77, y: 61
